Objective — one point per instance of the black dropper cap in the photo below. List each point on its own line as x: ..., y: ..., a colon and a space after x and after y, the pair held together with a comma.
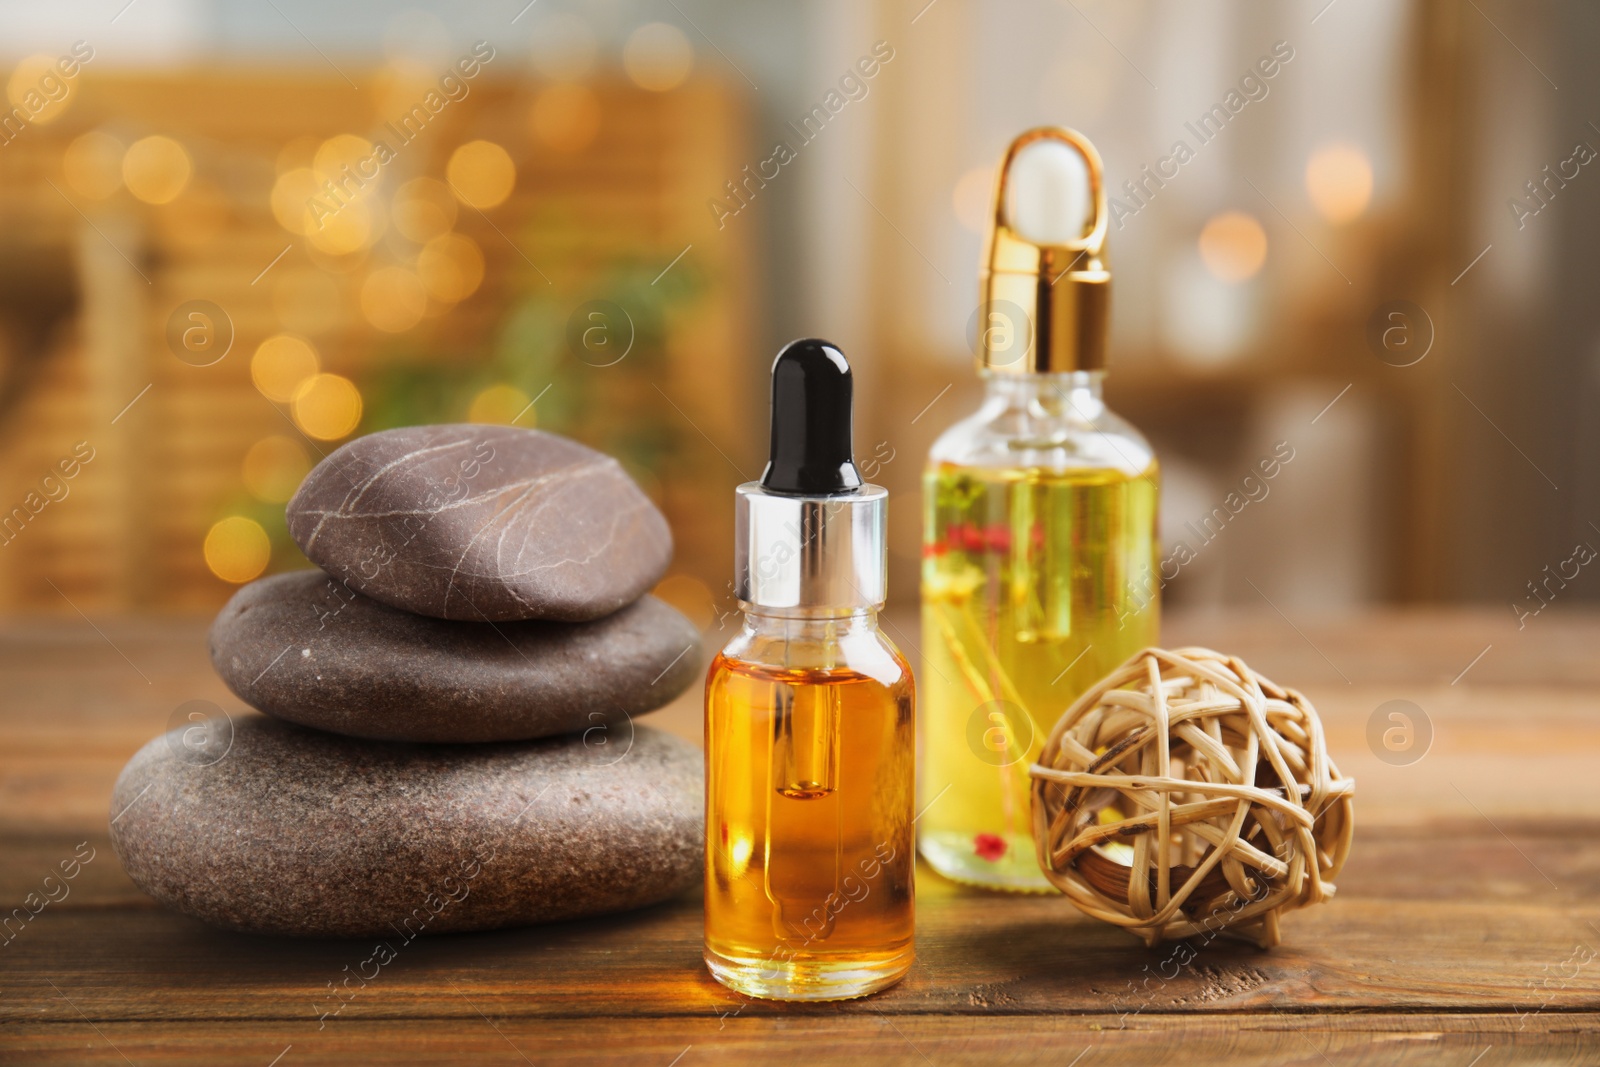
x: 811, y: 394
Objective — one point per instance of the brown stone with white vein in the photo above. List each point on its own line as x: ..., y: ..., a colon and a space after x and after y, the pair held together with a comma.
x: 481, y: 523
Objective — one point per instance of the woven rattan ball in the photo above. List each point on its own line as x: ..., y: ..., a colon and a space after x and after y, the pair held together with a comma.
x: 1185, y: 795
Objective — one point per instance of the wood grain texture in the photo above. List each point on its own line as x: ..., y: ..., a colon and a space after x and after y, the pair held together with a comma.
x: 1194, y: 1040
x: 1385, y: 944
x: 1467, y: 919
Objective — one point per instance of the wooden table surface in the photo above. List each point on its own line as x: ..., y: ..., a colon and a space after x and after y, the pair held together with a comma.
x: 1464, y: 932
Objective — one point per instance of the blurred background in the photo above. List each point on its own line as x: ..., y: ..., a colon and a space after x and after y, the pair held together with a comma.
x: 234, y: 235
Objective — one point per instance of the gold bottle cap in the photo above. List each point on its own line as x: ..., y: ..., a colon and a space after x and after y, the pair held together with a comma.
x: 1044, y: 307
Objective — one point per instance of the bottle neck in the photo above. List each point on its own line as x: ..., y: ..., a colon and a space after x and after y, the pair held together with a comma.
x: 1077, y: 393
x: 789, y: 622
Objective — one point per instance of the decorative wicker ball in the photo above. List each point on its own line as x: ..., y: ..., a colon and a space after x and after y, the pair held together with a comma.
x: 1185, y: 795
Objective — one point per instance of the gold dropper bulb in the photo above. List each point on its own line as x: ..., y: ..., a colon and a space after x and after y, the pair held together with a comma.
x: 1045, y: 307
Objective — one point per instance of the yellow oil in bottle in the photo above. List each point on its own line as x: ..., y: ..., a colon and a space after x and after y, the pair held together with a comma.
x: 809, y: 839
x: 1035, y: 584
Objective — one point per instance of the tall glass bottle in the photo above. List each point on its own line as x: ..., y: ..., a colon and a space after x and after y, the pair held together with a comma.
x: 1039, y: 547
x: 809, y: 721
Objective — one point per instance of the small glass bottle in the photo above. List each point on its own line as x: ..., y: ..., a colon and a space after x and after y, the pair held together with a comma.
x: 810, y: 716
x: 1039, y: 548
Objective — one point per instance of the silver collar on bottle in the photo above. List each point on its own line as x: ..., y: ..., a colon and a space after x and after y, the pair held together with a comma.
x: 810, y: 551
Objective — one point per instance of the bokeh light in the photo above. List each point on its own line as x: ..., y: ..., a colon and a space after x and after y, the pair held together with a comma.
x: 336, y: 225
x: 348, y: 227
x: 281, y: 365
x: 393, y: 299
x: 237, y: 549
x: 339, y: 152
x: 92, y: 165
x: 33, y: 83
x: 658, y: 57
x: 564, y: 47
x: 274, y: 468
x: 482, y: 174
x: 347, y: 217
x: 566, y: 117
x: 327, y: 407
x: 502, y: 405
x: 1233, y: 246
x: 423, y: 209
x: 1339, y: 182
x: 155, y: 169
x: 451, y: 267
x: 291, y: 196
x: 973, y: 199
x: 690, y: 596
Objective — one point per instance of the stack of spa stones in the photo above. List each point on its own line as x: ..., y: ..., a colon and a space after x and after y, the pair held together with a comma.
x: 449, y: 739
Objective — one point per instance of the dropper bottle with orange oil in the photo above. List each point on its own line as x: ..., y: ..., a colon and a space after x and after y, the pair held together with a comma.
x: 809, y: 720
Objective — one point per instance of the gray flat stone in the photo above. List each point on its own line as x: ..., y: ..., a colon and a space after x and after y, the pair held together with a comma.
x: 282, y: 830
x: 481, y: 522
x: 302, y: 647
